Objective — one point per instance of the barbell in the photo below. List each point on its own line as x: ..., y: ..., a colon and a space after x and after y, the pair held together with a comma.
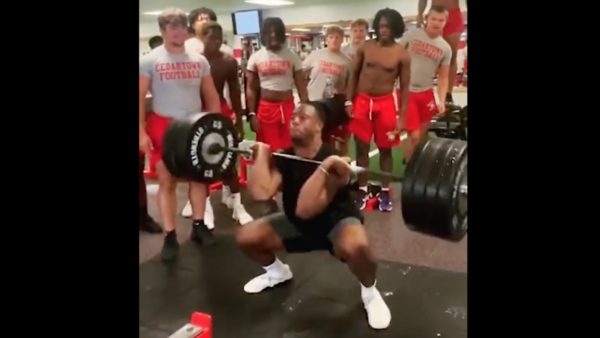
x: 434, y: 186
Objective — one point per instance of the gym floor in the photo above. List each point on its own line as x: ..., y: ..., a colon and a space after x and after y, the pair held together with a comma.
x: 423, y: 280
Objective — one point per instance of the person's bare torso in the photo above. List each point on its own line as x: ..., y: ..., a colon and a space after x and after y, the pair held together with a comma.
x: 380, y: 68
x: 448, y: 4
x: 220, y: 68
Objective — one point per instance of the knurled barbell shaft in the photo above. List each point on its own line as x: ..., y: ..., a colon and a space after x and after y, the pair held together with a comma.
x: 216, y: 148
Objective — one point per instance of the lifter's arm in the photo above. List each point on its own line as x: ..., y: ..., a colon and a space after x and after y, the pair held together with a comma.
x: 320, y: 188
x: 266, y: 180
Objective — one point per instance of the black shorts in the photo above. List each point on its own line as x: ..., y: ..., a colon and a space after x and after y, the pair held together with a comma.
x: 295, y: 241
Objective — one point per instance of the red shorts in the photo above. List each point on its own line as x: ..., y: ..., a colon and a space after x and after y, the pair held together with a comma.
x: 374, y: 116
x: 421, y: 108
x: 274, y: 123
x: 156, y: 127
x: 227, y: 111
x: 455, y: 23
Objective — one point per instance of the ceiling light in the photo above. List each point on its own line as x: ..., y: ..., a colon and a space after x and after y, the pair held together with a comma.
x: 300, y: 30
x: 270, y: 2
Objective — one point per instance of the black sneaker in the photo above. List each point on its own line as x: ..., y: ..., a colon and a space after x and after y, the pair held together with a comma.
x: 170, y: 248
x: 201, y: 234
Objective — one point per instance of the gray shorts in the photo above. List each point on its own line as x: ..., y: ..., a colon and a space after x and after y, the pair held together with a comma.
x: 295, y: 241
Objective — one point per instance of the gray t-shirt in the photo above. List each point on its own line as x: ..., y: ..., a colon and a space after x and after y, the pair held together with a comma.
x: 325, y: 65
x: 176, y: 80
x: 426, y: 57
x: 275, y: 69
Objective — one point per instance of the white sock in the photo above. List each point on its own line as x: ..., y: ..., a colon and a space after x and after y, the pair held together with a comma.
x: 365, y: 188
x: 276, y: 269
x: 367, y: 293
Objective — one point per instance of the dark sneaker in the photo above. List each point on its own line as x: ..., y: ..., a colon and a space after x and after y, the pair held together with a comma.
x: 201, y: 234
x: 385, y: 202
x: 170, y: 249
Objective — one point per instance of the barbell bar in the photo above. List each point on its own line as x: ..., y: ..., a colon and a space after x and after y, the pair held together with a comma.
x: 216, y: 148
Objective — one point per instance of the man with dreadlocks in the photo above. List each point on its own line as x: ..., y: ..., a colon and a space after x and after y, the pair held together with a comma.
x: 272, y: 72
x: 376, y: 66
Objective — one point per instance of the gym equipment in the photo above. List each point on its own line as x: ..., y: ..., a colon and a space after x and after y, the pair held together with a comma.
x: 434, y: 187
x: 452, y: 125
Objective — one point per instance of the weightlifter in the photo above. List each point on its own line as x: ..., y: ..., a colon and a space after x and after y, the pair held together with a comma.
x: 223, y: 68
x: 328, y: 70
x: 318, y: 213
x: 430, y: 54
x: 272, y: 73
x: 180, y: 83
x: 376, y: 66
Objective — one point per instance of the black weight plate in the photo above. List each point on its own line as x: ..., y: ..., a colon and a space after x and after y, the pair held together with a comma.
x: 426, y: 186
x: 183, y: 143
x: 407, y: 184
x: 211, y: 128
x: 459, y: 203
x: 175, y: 143
x: 443, y: 194
x: 414, y: 204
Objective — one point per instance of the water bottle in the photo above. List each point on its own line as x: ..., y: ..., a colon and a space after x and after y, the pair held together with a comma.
x: 329, y: 89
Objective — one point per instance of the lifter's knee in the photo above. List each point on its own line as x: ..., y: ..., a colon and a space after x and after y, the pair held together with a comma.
x: 351, y: 248
x: 249, y: 236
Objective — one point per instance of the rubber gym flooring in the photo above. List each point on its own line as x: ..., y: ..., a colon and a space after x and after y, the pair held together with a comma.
x: 423, y: 280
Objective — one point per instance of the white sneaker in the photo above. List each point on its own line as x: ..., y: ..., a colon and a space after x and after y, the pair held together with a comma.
x: 266, y: 280
x: 187, y: 210
x: 378, y: 313
x: 241, y: 215
x: 239, y: 211
x: 209, y: 215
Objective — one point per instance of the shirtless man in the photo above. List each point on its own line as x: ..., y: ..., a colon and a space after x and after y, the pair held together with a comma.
x: 376, y: 66
x: 196, y: 19
x: 328, y: 70
x: 223, y: 69
x: 430, y: 55
x: 360, y: 28
x: 452, y: 31
x: 272, y: 72
x: 181, y: 84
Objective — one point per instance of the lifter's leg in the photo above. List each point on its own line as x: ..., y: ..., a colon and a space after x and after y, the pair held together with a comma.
x: 259, y: 241
x: 351, y: 246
